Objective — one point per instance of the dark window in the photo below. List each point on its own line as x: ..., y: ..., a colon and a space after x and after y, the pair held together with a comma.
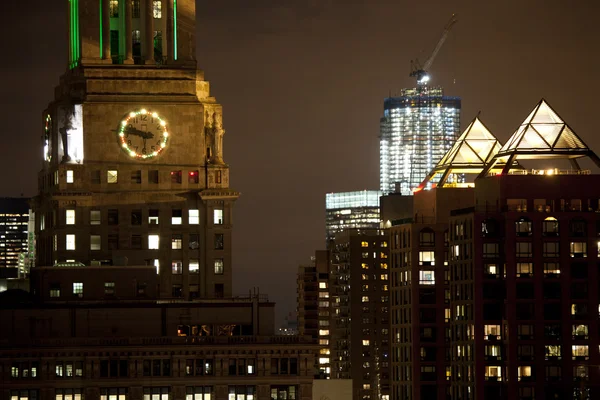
x: 492, y: 311
x: 218, y: 177
x: 525, y: 311
x: 489, y: 228
x: 525, y: 291
x: 524, y: 249
x: 136, y: 176
x: 113, y: 217
x: 113, y: 242
x: 233, y: 366
x: 219, y: 241
x: 153, y: 176
x: 96, y: 177
x: 579, y: 270
x: 577, y: 227
x: 219, y: 290
x: 552, y: 311
x: 579, y: 290
x: 136, y: 241
x: 426, y: 237
x: 136, y: 217
x: 552, y: 290
x: 552, y: 331
x: 194, y: 242
x: 153, y: 217
x: 135, y: 8
x: 177, y: 291
x: 175, y: 176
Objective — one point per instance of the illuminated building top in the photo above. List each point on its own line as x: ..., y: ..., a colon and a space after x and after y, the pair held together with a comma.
x: 351, y: 210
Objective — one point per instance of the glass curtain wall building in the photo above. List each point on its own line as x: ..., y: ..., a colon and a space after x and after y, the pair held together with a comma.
x: 416, y: 130
x: 351, y: 210
x: 14, y: 219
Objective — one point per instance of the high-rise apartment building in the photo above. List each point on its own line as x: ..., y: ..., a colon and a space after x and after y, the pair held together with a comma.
x: 133, y: 169
x: 351, y: 210
x: 416, y: 130
x: 494, y: 294
x: 344, y: 303
x: 14, y: 219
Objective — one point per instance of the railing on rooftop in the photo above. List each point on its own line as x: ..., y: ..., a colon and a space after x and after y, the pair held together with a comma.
x: 551, y: 171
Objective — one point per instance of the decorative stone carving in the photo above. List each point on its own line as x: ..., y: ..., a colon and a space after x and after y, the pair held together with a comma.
x: 66, y: 126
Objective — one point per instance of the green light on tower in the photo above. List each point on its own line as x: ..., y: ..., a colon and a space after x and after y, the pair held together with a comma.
x: 101, y: 33
x: 74, y: 33
x: 175, y: 29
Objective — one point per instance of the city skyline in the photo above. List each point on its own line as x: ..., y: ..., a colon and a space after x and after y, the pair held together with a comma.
x: 520, y: 44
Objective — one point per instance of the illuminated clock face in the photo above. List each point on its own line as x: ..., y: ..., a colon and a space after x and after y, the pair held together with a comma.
x: 143, y: 134
x: 48, y: 138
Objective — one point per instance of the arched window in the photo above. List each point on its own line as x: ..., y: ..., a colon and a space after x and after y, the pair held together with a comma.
x: 427, y: 237
x: 550, y: 227
x: 524, y: 227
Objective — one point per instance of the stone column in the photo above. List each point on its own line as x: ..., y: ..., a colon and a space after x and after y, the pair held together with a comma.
x: 128, y: 40
x: 105, y: 30
x: 149, y: 37
x: 169, y: 36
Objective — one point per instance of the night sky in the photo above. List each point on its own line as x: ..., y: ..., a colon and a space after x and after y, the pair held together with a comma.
x: 302, y: 84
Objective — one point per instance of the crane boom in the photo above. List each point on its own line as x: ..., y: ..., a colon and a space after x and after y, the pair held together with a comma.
x: 421, y: 71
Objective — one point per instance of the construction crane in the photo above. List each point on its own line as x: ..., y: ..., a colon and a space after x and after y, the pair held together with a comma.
x: 420, y: 71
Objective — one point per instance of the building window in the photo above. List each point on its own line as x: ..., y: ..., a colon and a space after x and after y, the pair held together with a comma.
x: 493, y: 373
x: 219, y: 268
x: 524, y: 269
x: 70, y: 242
x: 95, y: 217
x: 176, y: 267
x: 578, y: 249
x: 111, y: 176
x: 24, y: 395
x: 136, y: 176
x: 109, y: 288
x: 78, y: 289
x: 242, y: 392
x: 218, y: 216
x: 153, y: 241
x: 552, y: 352
x: 70, y: 217
x: 219, y: 241
x: 193, y: 177
x: 284, y: 392
x: 523, y: 227
x: 177, y: 291
x: 491, y: 332
x: 198, y: 392
x: 153, y: 217
x: 136, y: 217
x: 551, y: 269
x: 135, y: 8
x: 175, y: 176
x: 553, y: 373
x: 114, y: 8
x: 580, y: 352
x: 96, y: 177
x: 157, y: 9
x: 580, y: 332
x: 490, y: 250
x: 491, y: 270
x: 176, y: 217
x: 68, y: 394
x: 426, y: 258
x: 176, y: 241
x: 55, y: 290
x: 523, y: 249
x: 194, y: 266
x: 153, y: 176
x: 70, y: 176
x: 157, y: 393
x: 113, y: 217
x: 551, y: 249
x: 426, y: 237
x: 578, y: 228
x: 524, y: 373
x: 194, y: 242
x: 113, y: 241
x: 95, y: 242
x: 427, y: 277
x: 136, y: 241
x: 193, y: 217
x: 550, y: 227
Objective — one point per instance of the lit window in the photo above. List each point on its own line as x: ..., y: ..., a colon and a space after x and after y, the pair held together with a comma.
x: 324, y: 342
x: 193, y: 217
x: 365, y: 342
x: 111, y: 176
x: 153, y: 217
x: 153, y: 242
x: 366, y: 386
x: 523, y: 372
x: 78, y: 288
x: 578, y: 249
x: 114, y: 8
x: 550, y: 227
x: 156, y: 264
x: 70, y: 242
x: 384, y: 277
x: 383, y: 266
x: 491, y: 269
x: 157, y: 9
x: 580, y: 331
x: 218, y: 216
x: 219, y: 268
x: 491, y: 331
x: 551, y: 249
x: 524, y: 269
x: 194, y: 266
x: 552, y: 352
x: 135, y: 8
x: 95, y: 217
x: 523, y: 249
x: 322, y: 285
x: 176, y: 267
x: 323, y: 360
x: 551, y: 268
x: 365, y: 265
x: 176, y: 241
x: 580, y: 352
x: 365, y: 299
x: 323, y: 332
x: 176, y: 217
x: 323, y: 295
x: 490, y: 250
x: 70, y: 220
x: 427, y: 277
x: 493, y: 373
x: 69, y: 176
x: 95, y: 242
x: 426, y: 258
x: 364, y: 244
x: 365, y: 277
x: 384, y: 244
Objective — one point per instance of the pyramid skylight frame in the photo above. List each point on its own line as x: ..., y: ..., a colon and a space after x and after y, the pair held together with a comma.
x: 542, y: 135
x: 471, y: 152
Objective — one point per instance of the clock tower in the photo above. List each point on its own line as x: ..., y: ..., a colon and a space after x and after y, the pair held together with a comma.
x: 133, y: 171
